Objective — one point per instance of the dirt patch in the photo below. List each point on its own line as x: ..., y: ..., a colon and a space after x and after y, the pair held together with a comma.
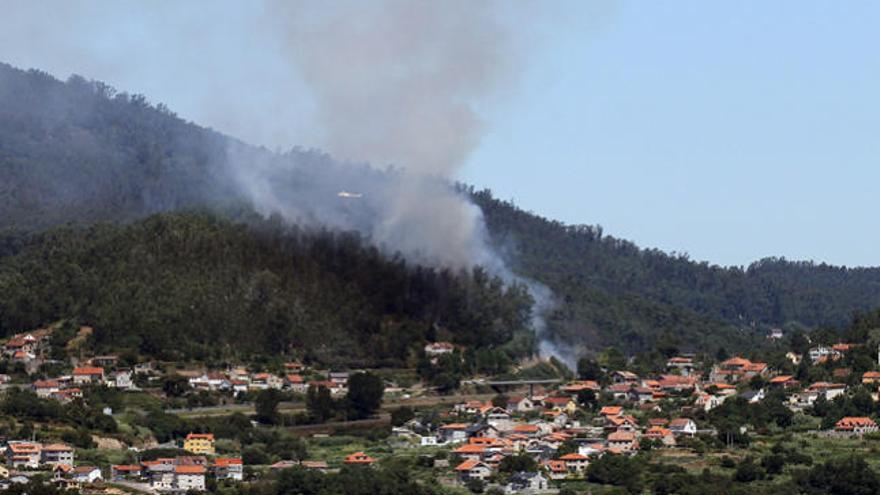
x: 108, y: 443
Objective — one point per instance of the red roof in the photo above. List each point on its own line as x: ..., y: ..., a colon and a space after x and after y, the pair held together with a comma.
x: 621, y: 436
x: 126, y: 468
x: 88, y: 371
x: 468, y: 465
x: 359, y: 458
x: 470, y: 449
x: 611, y: 411
x: 849, y: 423
x: 189, y: 469
x: 227, y: 461
x: 200, y: 436
x: 526, y: 428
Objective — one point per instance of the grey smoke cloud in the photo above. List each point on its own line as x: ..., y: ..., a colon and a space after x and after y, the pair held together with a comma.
x: 390, y: 82
x: 395, y: 83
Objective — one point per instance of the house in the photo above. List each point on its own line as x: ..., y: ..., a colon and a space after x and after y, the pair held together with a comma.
x: 24, y: 343
x: 66, y: 395
x: 45, y: 388
x: 561, y: 404
x: 315, y: 465
x: 499, y: 418
x: 683, y: 426
x: 784, y: 381
x: 527, y: 430
x: 753, y: 396
x: 626, y: 422
x: 821, y: 354
x: 339, y: 378
x: 143, y: 368
x: 161, y: 474
x: 86, y: 474
x: 122, y: 380
x: 23, y: 357
x: 452, y: 433
x: 611, y: 411
x: 438, y: 348
x: 358, y: 459
x: 660, y: 434
x: 622, y: 441
x: 640, y: 394
x: 856, y: 426
x: 677, y: 383
x: 228, y: 468
x: 87, y: 375
x: 624, y: 377
x: 210, y: 382
x: 620, y: 391
x: 574, y: 388
x: 125, y: 471
x: 470, y: 451
x: 473, y: 470
x: 189, y: 477
x: 527, y: 483
x: 871, y: 377
x: 57, y: 453
x: 794, y: 358
x: 199, y: 443
x: 775, y: 334
x: 23, y: 455
x: 295, y: 383
x: 685, y: 365
x: 736, y: 369
x: 239, y: 386
x: 556, y: 469
x: 709, y: 401
x: 829, y: 390
x: 482, y: 430
x: 265, y: 381
x: 520, y: 404
x: 575, y: 463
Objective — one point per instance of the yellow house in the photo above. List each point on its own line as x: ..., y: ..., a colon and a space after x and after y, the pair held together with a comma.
x: 199, y: 443
x: 564, y: 404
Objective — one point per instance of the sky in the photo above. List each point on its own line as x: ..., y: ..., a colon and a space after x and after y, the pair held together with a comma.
x: 730, y: 131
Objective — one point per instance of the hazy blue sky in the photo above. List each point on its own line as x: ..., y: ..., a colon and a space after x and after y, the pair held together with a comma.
x: 728, y: 130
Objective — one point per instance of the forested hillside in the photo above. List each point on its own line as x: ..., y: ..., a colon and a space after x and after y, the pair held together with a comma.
x: 603, y: 282
x: 192, y: 285
x: 80, y: 152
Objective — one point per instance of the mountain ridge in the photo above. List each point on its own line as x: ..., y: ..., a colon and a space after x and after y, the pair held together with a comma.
x: 80, y: 152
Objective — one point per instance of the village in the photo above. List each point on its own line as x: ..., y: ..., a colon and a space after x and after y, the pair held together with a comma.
x: 519, y: 436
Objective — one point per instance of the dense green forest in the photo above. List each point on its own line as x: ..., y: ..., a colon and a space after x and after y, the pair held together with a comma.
x: 604, y: 283
x: 193, y: 285
x: 80, y: 152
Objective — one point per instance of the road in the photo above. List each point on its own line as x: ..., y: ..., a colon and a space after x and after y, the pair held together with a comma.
x: 294, y: 407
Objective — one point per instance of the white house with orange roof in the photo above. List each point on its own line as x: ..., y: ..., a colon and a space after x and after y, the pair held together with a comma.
x: 57, y: 453
x: 575, y: 463
x: 85, y: 375
x: 856, y: 426
x: 622, y: 441
x: 683, y: 426
x: 473, y: 470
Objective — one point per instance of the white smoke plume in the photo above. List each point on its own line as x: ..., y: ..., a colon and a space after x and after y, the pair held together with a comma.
x: 395, y: 83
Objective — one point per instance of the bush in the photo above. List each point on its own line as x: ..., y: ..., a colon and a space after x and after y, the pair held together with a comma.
x: 748, y: 471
